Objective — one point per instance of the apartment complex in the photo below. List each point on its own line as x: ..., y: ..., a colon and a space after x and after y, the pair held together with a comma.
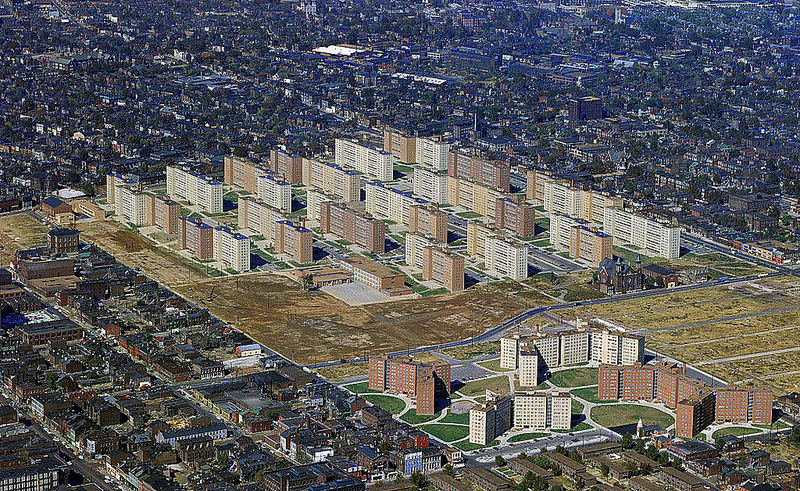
x: 274, y: 190
x: 492, y: 174
x: 353, y: 226
x: 231, y: 249
x: 389, y: 203
x: 197, y: 237
x: 528, y: 364
x: 573, y: 347
x: 560, y: 196
x: 342, y: 183
x: 294, y: 240
x: 477, y: 233
x: 515, y: 216
x: 288, y: 166
x: 376, y: 276
x: 365, y: 159
x: 402, y: 146
x: 432, y: 153
x: 194, y: 188
x: 424, y: 381
x: 138, y: 208
x: 490, y: 420
x: 591, y: 245
x: 259, y: 217
x: 627, y: 227
x: 506, y: 257
x: 543, y: 410
x: 443, y: 266
x: 473, y: 196
x: 242, y: 172
x: 430, y: 185
x: 695, y: 413
x: 739, y: 405
x: 427, y: 220
x: 415, y: 243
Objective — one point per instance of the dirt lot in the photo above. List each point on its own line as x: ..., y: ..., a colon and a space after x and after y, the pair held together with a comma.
x: 315, y: 327
x: 19, y: 231
x: 136, y: 251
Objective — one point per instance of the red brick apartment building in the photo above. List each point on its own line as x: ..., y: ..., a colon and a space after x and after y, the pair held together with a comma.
x: 737, y: 405
x: 197, y: 237
x: 291, y: 166
x: 294, y: 240
x: 242, y: 172
x: 428, y: 220
x: 351, y: 225
x: 694, y: 414
x: 515, y: 216
x: 63, y: 241
x: 591, y: 245
x: 443, y: 266
x: 496, y: 175
x: 405, y: 376
x: 164, y: 213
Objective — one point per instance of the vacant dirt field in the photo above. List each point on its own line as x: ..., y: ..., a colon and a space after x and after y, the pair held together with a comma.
x: 315, y: 327
x: 17, y: 232
x: 136, y: 251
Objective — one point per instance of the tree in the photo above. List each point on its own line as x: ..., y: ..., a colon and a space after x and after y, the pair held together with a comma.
x: 499, y: 461
x: 307, y: 280
x: 794, y: 436
x: 448, y: 469
x: 418, y: 479
x: 604, y: 469
x: 627, y: 441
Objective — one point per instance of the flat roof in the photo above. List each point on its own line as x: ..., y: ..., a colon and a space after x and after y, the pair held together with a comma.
x: 371, y: 266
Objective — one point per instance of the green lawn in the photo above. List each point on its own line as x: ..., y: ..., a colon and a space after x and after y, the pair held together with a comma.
x: 588, y: 394
x: 577, y: 407
x: 575, y: 377
x: 446, y: 433
x: 389, y: 403
x: 494, y: 365
x: 362, y: 388
x: 466, y: 446
x: 469, y: 214
x: 462, y: 419
x: 411, y: 417
x: 735, y: 431
x: 777, y: 425
x: 624, y: 414
x: 478, y: 387
x: 524, y: 437
x: 541, y: 243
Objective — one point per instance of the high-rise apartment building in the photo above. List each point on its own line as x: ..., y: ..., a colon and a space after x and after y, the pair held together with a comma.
x: 343, y: 184
x: 290, y: 167
x: 739, y: 405
x: 197, y: 237
x: 365, y: 159
x: 428, y: 220
x: 259, y: 217
x: 274, y: 190
x: 616, y: 347
x: 528, y: 360
x: 389, y: 203
x: 515, y: 216
x: 505, y: 257
x: 473, y: 196
x: 401, y: 145
x: 659, y: 238
x: 231, y: 249
x: 424, y: 381
x: 490, y: 420
x: 415, y: 243
x: 492, y: 174
x: 430, y: 185
x: 432, y: 153
x: 130, y: 205
x: 359, y: 228
x: 694, y: 414
x: 242, y: 172
x: 590, y: 245
x: 197, y: 189
x: 294, y: 240
x: 477, y: 233
x: 443, y: 266
x: 543, y: 410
